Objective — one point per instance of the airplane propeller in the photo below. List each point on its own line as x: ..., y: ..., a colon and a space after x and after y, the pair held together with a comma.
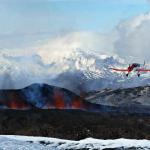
x: 129, y: 65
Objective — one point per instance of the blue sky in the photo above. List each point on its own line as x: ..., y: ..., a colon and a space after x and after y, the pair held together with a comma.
x: 26, y: 21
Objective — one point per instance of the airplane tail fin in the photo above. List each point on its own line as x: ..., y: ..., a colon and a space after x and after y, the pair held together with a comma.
x: 144, y: 63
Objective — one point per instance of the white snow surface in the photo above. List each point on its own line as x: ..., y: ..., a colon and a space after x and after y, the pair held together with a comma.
x: 13, y: 142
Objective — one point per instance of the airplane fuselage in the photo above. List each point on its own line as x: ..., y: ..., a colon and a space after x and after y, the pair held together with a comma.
x: 134, y: 66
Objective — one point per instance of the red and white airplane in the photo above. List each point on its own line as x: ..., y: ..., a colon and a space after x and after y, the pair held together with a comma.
x: 133, y: 67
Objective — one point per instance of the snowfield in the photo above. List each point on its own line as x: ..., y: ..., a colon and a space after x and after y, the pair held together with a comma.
x: 12, y: 142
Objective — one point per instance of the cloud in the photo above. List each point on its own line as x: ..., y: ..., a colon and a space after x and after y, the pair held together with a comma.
x: 134, y: 38
x: 63, y: 46
x: 130, y: 38
x: 48, y: 61
x: 60, y: 54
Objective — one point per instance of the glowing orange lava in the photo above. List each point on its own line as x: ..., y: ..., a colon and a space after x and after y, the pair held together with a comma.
x: 77, y: 104
x: 15, y: 102
x: 59, y: 99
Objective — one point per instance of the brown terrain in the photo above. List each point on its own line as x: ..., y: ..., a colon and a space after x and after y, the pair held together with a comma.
x: 74, y: 124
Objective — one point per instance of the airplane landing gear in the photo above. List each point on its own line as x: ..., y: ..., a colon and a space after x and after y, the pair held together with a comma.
x: 127, y: 75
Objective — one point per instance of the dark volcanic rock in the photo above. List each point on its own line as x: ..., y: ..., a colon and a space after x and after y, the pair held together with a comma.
x: 74, y: 124
x: 121, y: 97
x: 136, y: 100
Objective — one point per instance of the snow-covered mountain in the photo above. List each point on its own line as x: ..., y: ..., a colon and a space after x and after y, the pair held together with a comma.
x: 78, y: 71
x: 90, y: 71
x: 43, y: 143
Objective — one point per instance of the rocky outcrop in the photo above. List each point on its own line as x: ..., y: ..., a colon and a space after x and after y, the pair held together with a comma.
x: 136, y: 99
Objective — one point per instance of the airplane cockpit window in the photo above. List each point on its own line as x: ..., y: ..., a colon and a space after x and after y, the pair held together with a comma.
x: 136, y: 65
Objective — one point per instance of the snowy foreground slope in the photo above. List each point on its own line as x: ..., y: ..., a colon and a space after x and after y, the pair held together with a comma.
x: 12, y: 142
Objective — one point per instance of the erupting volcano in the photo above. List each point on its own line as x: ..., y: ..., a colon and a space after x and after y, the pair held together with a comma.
x: 42, y: 96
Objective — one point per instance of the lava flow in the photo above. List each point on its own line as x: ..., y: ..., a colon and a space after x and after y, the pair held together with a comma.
x: 43, y: 97
x: 59, y: 101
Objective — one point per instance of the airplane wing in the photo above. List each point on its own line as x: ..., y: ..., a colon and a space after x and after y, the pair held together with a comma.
x: 143, y: 70
x: 122, y: 70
